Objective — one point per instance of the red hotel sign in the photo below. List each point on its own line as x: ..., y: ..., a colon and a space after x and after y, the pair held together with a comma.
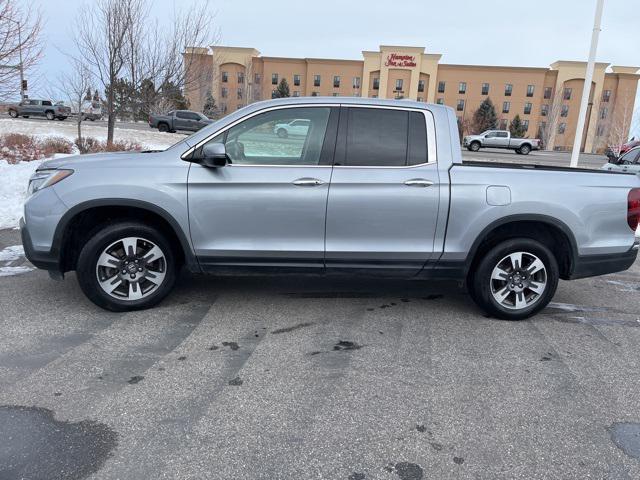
x: 395, y: 60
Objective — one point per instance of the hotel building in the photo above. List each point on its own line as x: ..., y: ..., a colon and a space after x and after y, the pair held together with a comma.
x: 544, y: 98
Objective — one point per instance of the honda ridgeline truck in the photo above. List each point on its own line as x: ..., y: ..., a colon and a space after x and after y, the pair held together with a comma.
x: 373, y: 187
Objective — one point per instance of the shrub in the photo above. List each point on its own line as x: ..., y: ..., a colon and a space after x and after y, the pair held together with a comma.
x: 93, y: 145
x: 53, y: 145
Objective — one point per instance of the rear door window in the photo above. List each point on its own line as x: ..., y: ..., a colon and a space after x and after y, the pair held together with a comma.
x: 378, y: 137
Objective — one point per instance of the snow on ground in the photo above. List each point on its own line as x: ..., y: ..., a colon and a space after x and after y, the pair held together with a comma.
x: 13, y: 190
x: 69, y: 129
x: 10, y: 255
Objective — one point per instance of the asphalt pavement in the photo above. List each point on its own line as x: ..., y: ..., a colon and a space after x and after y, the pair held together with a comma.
x: 316, y: 378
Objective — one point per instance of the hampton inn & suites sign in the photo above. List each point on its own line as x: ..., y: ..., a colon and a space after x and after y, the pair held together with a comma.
x: 397, y: 60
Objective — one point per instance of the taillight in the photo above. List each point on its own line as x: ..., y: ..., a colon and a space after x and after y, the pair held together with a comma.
x: 633, y: 208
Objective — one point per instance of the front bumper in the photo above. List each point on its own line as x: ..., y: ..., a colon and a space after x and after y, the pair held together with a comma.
x: 593, y: 265
x: 46, y: 260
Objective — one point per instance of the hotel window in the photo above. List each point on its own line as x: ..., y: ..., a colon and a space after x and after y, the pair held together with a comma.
x: 561, y: 128
x: 462, y: 87
x: 420, y: 99
x: 504, y: 123
x: 224, y: 92
x: 506, y: 106
x: 376, y: 83
x: 547, y: 93
x: 336, y: 81
x: 600, y: 130
x: 296, y: 80
x: 525, y: 125
x: 399, y: 83
x: 527, y: 108
x: 356, y: 82
x: 274, y: 79
x: 567, y: 94
x: 544, y: 110
x: 508, y: 88
x: 316, y: 80
x: 604, y: 111
x: 223, y: 107
x: 421, y: 85
x: 256, y: 78
x: 239, y: 93
x: 296, y: 93
x: 225, y: 77
x: 374, y: 96
x: 441, y: 86
x: 564, y: 112
x: 460, y: 106
x: 314, y: 94
x: 335, y: 94
x: 440, y: 101
x: 240, y: 77
x: 485, y: 89
x: 530, y: 90
x: 606, y: 95
x: 239, y: 106
x: 274, y: 93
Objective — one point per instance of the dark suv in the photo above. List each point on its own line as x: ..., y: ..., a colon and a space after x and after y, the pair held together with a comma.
x: 42, y: 108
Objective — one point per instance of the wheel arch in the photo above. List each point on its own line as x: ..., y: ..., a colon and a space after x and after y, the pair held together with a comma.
x: 550, y: 231
x: 87, y: 216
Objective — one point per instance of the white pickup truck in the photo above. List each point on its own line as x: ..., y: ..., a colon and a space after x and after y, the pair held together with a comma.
x: 500, y: 139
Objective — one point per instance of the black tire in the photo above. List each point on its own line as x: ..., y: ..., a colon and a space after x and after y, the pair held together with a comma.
x: 480, y: 282
x: 517, y: 150
x: 282, y: 133
x: 25, y: 116
x: 525, y: 149
x: 98, y: 241
x: 474, y: 147
x: 50, y: 115
x: 62, y: 118
x: 13, y: 114
x: 163, y: 127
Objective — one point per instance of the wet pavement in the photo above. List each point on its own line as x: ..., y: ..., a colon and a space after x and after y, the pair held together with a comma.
x: 312, y: 378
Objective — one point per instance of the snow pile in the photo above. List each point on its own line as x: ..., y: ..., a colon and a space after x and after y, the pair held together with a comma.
x: 10, y: 255
x: 13, y: 190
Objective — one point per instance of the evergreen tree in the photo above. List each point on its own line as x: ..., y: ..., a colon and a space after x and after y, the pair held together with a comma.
x: 485, y: 117
x: 88, y: 94
x: 96, y: 96
x: 517, y: 128
x: 283, y: 89
x: 209, y: 108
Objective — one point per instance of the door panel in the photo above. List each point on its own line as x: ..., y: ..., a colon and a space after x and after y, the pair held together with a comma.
x: 381, y: 218
x: 268, y: 207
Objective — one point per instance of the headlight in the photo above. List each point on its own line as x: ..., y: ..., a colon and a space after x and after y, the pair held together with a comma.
x: 45, y: 178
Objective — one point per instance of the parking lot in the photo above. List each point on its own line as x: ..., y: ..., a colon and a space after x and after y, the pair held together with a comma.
x: 305, y: 378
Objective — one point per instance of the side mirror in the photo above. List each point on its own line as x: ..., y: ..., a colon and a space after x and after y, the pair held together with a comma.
x: 214, y: 155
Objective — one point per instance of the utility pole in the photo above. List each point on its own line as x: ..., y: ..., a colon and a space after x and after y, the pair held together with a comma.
x: 20, y: 66
x: 586, y: 90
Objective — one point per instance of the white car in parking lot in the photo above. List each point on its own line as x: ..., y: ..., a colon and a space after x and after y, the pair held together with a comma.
x: 295, y: 127
x: 629, y: 162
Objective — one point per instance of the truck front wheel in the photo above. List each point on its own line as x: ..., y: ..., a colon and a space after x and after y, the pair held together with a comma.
x: 163, y: 127
x: 126, y: 266
x: 515, y: 279
x: 13, y: 114
x: 474, y: 147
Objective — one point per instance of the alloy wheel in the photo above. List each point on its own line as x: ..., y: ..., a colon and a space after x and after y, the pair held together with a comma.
x: 518, y: 280
x: 131, y: 268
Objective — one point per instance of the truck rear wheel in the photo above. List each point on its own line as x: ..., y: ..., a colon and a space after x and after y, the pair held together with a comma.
x: 126, y: 266
x: 515, y: 279
x: 525, y: 149
x: 50, y: 115
x: 474, y: 147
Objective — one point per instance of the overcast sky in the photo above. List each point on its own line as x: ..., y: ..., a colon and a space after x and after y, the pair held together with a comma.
x: 491, y: 32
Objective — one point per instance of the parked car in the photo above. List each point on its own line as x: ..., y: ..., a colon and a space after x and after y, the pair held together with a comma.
x: 299, y: 126
x: 623, y: 149
x: 43, y: 108
x: 500, y: 139
x: 91, y: 110
x: 179, y: 120
x: 384, y: 192
x: 628, y: 162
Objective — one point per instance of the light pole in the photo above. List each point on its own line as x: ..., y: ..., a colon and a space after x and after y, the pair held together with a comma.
x: 586, y: 90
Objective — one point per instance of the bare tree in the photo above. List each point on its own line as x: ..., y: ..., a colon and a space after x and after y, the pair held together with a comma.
x: 74, y: 85
x: 553, y: 111
x: 101, y: 38
x: 617, y: 129
x: 20, y: 44
x: 250, y: 91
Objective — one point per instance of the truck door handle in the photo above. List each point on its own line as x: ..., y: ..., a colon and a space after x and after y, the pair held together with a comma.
x: 418, y: 182
x: 307, y: 182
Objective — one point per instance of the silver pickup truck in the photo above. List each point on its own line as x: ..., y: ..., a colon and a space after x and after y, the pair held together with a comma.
x: 373, y: 187
x: 39, y: 108
x: 500, y: 139
x: 179, y: 120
